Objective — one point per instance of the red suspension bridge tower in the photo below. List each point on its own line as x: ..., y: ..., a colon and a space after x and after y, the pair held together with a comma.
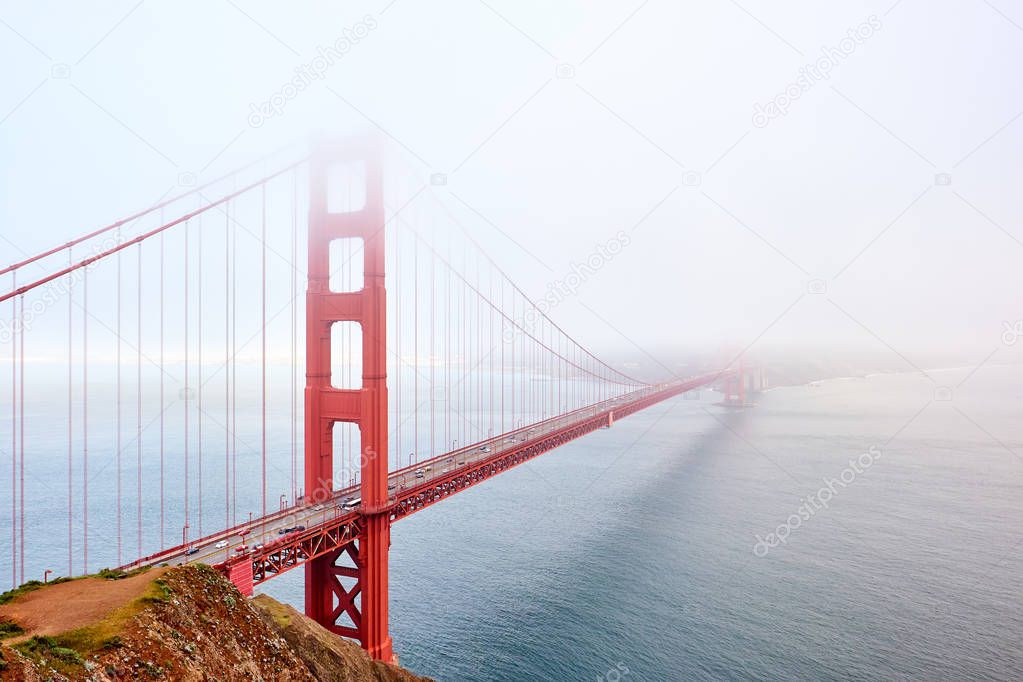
x: 358, y: 571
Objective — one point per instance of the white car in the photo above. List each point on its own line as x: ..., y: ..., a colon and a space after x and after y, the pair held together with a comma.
x: 221, y: 545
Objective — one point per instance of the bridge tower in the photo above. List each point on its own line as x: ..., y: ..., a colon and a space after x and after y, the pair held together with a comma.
x: 364, y: 561
x: 736, y: 385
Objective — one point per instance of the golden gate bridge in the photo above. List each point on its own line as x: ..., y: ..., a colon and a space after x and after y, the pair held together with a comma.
x: 427, y: 371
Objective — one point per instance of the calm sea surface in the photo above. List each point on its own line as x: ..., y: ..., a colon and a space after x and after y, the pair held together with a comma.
x: 633, y: 549
x: 630, y: 554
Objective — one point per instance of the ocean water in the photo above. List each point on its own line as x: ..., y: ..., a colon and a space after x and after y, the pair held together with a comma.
x: 630, y: 554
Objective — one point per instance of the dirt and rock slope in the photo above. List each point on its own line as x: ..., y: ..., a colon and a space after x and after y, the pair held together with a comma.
x: 169, y: 624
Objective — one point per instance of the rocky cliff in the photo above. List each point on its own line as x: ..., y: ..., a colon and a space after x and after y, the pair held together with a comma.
x: 169, y: 624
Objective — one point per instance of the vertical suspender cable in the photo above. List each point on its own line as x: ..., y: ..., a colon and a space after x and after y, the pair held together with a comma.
x: 415, y: 342
x: 397, y: 329
x: 345, y: 356
x: 465, y: 381
x: 551, y: 407
x: 433, y: 347
x: 21, y: 440
x: 534, y: 394
x: 234, y: 373
x: 517, y: 361
x: 138, y: 409
x: 198, y: 382
x: 227, y: 365
x: 14, y: 432
x: 187, y: 395
x: 473, y: 415
x: 514, y: 370
x: 542, y: 356
x: 85, y: 421
x: 262, y: 305
x: 465, y: 367
x: 447, y: 354
x: 294, y: 335
x: 479, y: 357
x: 490, y: 344
x: 503, y: 370
x: 70, y: 308
x: 163, y: 401
x: 459, y: 354
x: 120, y: 560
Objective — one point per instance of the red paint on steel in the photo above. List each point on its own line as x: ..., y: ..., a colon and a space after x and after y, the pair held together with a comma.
x: 241, y: 575
x: 326, y: 406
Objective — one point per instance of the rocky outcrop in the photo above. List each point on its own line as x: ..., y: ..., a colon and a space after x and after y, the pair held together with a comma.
x: 328, y: 657
x: 180, y: 624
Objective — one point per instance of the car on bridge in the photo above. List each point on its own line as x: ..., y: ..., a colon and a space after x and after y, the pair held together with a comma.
x: 220, y: 545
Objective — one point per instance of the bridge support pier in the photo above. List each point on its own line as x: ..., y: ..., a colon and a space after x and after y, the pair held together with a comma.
x: 358, y: 570
x: 376, y: 543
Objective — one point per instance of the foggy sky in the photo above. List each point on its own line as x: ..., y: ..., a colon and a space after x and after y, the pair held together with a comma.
x: 560, y: 125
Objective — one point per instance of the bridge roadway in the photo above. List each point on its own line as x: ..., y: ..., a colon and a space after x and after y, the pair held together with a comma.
x: 292, y: 535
